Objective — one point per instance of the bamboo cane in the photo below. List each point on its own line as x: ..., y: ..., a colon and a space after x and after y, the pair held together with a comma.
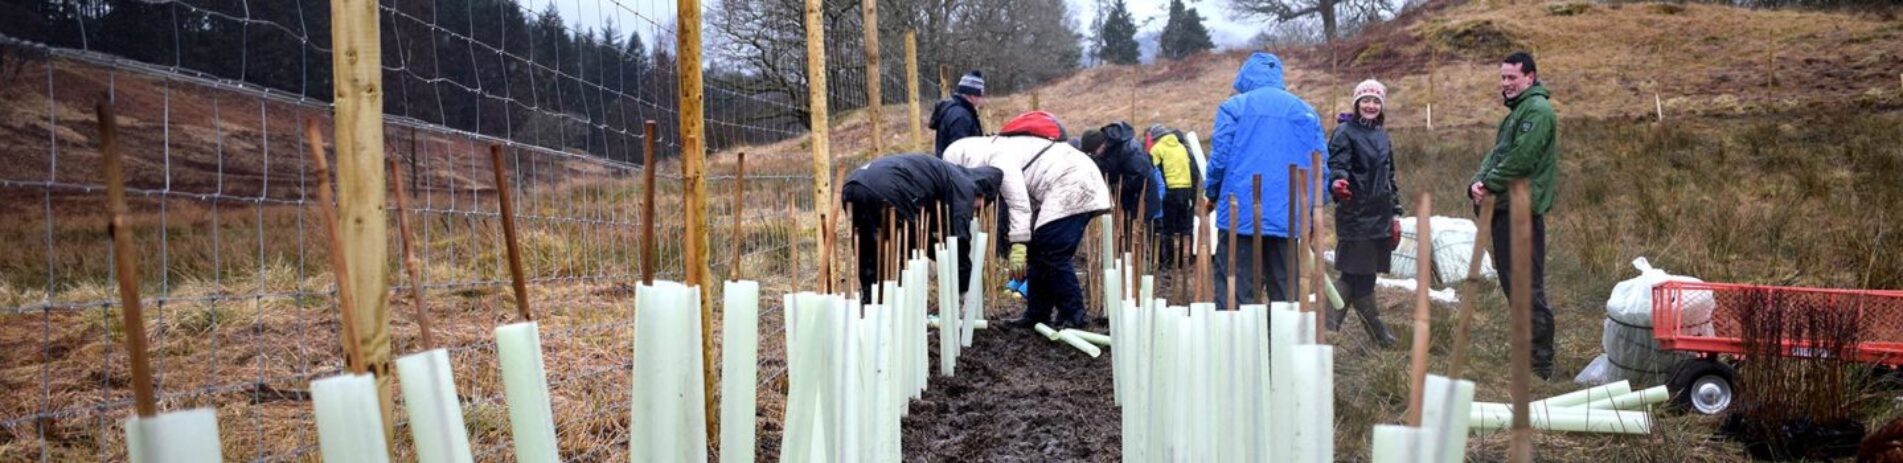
x: 409, y: 254
x: 346, y: 301
x: 509, y: 236
x: 739, y: 202
x: 132, y: 317
x: 647, y: 207
x: 1234, y: 212
x: 1417, y: 384
x: 1470, y: 288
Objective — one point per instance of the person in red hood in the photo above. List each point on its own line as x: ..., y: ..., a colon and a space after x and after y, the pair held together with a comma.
x: 1050, y: 191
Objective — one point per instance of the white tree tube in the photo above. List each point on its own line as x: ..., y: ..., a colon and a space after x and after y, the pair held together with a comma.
x: 188, y: 436
x: 1283, y: 327
x: 1582, y: 396
x: 1257, y: 336
x: 947, y: 312
x: 349, y: 422
x: 436, y: 416
x: 667, y: 421
x: 1568, y: 420
x: 1113, y: 301
x: 1395, y: 443
x: 1634, y: 400
x: 975, y: 288
x: 1315, y: 405
x: 1228, y: 407
x: 1080, y: 344
x: 1048, y: 333
x: 1445, y: 408
x: 739, y: 369
x: 1093, y: 338
x: 525, y: 388
x: 1160, y: 405
x: 1202, y: 436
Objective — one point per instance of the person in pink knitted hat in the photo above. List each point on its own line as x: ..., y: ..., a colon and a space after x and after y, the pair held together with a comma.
x: 1368, y: 204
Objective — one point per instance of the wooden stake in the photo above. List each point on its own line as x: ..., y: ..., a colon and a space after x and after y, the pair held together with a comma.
x: 870, y: 10
x: 357, y: 74
x: 1423, y: 273
x: 1295, y: 235
x: 409, y: 254
x: 693, y: 153
x: 739, y: 202
x: 1256, y: 254
x: 1521, y: 449
x: 1234, y: 212
x: 647, y: 213
x: 509, y: 236
x: 944, y: 81
x: 132, y: 318
x: 822, y: 157
x: 346, y: 303
x: 1203, y: 285
x: 1298, y: 273
x: 911, y: 88
x: 1470, y: 287
x: 1315, y: 246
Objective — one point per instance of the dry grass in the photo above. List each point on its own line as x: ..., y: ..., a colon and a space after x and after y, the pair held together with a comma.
x: 1751, y: 201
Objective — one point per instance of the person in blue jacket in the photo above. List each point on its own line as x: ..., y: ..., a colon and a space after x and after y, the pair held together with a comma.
x: 1261, y: 130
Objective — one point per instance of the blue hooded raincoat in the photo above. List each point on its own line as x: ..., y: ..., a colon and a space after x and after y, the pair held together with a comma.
x: 1261, y: 130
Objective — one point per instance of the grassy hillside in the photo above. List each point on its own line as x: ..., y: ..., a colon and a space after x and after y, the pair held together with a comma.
x: 1601, y: 62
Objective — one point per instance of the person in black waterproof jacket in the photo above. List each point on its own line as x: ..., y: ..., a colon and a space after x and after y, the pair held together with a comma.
x: 1368, y: 204
x: 1126, y: 169
x: 957, y: 117
x: 909, y: 186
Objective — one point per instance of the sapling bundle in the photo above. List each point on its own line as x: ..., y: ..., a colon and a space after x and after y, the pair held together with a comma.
x: 1798, y: 397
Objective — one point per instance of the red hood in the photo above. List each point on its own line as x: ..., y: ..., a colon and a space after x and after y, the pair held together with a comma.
x: 1036, y: 123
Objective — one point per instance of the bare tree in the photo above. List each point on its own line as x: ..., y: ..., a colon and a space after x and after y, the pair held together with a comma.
x: 1331, y: 12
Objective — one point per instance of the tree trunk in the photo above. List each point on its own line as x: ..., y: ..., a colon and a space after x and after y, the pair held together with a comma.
x: 1327, y: 10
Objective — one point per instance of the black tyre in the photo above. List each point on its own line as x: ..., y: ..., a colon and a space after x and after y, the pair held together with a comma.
x: 1705, y: 386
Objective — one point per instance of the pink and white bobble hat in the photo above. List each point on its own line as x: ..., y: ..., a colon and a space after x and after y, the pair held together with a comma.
x: 1371, y: 88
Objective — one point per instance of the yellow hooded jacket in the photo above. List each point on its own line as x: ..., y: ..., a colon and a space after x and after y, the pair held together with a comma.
x: 1170, y: 155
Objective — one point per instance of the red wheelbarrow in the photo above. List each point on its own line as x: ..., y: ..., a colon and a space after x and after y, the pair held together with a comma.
x: 1708, y: 320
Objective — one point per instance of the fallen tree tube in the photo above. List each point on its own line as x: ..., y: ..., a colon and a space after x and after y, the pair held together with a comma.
x: 1046, y: 331
x: 1094, y: 338
x: 188, y: 436
x: 1582, y: 396
x: 1568, y: 420
x: 1080, y: 344
x: 1633, y: 401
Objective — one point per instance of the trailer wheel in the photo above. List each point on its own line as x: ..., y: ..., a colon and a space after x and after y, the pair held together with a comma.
x: 1703, y: 385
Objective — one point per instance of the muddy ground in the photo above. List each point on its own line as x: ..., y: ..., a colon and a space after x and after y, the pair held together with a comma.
x: 1017, y: 397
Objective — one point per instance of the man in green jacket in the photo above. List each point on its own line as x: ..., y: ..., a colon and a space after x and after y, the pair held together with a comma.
x: 1525, y: 148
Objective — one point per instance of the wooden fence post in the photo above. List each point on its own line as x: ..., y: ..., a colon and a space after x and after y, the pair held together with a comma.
x: 357, y: 73
x: 822, y: 158
x: 911, y: 88
x: 693, y: 155
x: 874, y: 103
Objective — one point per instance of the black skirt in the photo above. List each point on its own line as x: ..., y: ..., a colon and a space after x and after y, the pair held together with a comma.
x: 1363, y: 257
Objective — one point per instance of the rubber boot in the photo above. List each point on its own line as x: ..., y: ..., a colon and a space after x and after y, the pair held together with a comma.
x: 1371, y: 320
x: 1335, y: 316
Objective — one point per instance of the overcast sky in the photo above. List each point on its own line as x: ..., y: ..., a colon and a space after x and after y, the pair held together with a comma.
x: 1227, y: 33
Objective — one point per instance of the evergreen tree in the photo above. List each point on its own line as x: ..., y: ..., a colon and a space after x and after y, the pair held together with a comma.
x: 1116, y: 41
x: 1184, y: 34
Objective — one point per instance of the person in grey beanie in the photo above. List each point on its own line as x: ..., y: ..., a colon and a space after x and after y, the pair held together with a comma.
x: 956, y: 117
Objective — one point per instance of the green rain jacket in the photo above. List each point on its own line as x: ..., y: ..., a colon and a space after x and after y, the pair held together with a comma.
x: 1527, y: 146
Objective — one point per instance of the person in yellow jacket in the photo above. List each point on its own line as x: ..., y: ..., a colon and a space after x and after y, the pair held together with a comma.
x: 1180, y: 178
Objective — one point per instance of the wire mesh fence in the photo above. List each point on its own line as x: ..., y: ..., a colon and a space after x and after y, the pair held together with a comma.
x: 232, y: 254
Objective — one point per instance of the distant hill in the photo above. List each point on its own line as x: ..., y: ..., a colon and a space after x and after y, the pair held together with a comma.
x: 1604, y: 61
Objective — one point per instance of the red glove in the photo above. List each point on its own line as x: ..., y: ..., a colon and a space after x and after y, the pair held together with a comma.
x: 1394, y: 234
x: 1340, y: 188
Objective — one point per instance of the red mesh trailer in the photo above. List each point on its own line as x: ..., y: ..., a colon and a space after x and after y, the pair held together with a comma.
x: 1713, y: 319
